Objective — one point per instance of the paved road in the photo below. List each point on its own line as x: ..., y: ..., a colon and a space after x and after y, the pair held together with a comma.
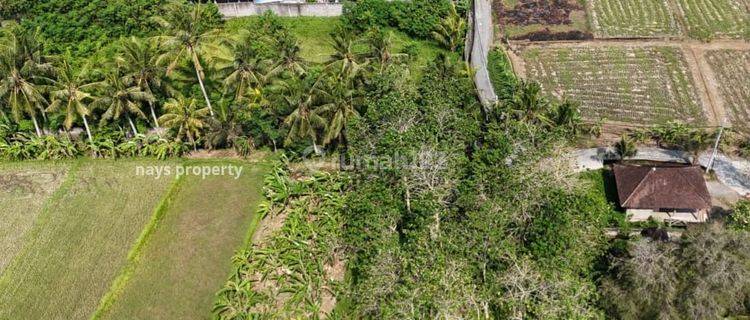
x: 593, y: 158
x: 733, y: 172
x: 480, y: 48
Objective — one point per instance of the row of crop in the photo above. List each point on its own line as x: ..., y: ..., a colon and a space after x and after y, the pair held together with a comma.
x: 699, y: 19
x: 649, y: 84
x: 706, y: 19
x: 632, y: 18
x: 732, y: 70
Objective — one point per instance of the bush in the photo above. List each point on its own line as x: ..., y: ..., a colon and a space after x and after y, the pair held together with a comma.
x: 740, y: 217
x: 418, y: 18
x: 501, y: 74
x: 84, y: 26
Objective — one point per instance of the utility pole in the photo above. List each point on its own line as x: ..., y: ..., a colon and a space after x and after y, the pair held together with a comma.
x: 716, y: 147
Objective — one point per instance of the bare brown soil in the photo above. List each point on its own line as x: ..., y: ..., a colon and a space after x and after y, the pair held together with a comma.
x: 528, y: 12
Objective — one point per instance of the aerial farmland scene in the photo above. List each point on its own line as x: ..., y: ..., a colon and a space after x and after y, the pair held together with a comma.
x: 374, y: 159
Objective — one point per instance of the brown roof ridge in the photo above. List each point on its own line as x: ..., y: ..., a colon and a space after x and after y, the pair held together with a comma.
x: 640, y: 183
x: 693, y: 187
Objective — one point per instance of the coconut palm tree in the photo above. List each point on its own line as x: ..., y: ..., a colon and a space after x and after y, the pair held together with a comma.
x: 625, y: 147
x: 345, y: 59
x: 381, y: 48
x: 289, y: 55
x: 120, y: 99
x: 69, y: 95
x: 304, y: 122
x: 241, y: 67
x: 140, y: 59
x: 341, y: 108
x: 529, y: 105
x: 23, y: 71
x: 187, y: 27
x: 185, y: 116
x: 567, y: 116
x: 450, y: 32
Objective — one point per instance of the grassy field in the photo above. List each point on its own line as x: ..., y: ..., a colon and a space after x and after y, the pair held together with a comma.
x: 190, y: 253
x: 732, y: 70
x: 79, y: 242
x: 24, y: 188
x: 632, y: 18
x: 314, y: 35
x: 637, y: 85
x: 93, y: 235
x: 707, y: 19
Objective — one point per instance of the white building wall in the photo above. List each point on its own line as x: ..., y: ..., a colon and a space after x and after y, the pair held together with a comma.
x: 244, y: 9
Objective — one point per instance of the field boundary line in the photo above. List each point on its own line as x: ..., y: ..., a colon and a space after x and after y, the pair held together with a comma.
x: 134, y: 255
x: 705, y: 89
x: 266, y: 168
x: 43, y: 216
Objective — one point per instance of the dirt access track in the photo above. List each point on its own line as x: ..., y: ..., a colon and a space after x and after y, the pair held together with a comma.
x: 705, y: 80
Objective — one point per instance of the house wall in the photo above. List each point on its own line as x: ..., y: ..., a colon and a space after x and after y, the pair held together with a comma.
x: 635, y: 215
x: 243, y: 9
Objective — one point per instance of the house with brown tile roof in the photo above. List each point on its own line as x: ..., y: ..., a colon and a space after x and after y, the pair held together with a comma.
x: 663, y: 193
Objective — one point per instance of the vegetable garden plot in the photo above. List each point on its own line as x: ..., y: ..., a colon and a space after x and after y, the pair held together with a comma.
x: 708, y: 19
x: 732, y: 71
x: 632, y: 18
x: 639, y: 85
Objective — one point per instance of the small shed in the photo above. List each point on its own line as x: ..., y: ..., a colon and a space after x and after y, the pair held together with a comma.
x: 664, y: 193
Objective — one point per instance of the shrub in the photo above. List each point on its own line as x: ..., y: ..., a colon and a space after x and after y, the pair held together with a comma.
x: 740, y: 217
x: 418, y: 18
x: 501, y: 74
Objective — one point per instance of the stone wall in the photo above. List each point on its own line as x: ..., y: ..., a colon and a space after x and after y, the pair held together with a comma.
x: 243, y: 9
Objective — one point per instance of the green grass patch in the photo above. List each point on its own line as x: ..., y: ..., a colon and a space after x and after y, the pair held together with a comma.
x: 188, y: 256
x: 24, y: 188
x: 80, y: 241
x: 316, y: 44
x: 501, y: 73
x: 601, y: 184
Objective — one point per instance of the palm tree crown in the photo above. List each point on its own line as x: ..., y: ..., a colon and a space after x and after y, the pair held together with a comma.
x: 140, y: 60
x: 119, y: 99
x: 185, y: 117
x: 188, y: 26
x: 22, y: 74
x: 69, y: 95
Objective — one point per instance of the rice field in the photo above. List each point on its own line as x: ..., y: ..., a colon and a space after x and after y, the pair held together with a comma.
x: 732, y: 71
x: 24, y: 188
x: 79, y: 235
x: 632, y: 18
x: 190, y: 254
x: 79, y: 243
x: 635, y: 85
x: 707, y: 19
